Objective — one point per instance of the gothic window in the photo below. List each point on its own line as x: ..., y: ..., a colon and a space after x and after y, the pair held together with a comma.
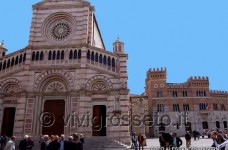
x: 185, y: 94
x: 205, y: 125
x: 16, y: 61
x: 49, y: 55
x: 79, y: 54
x: 99, y: 86
x: 109, y: 61
x: 24, y: 58
x: 225, y: 124
x: 96, y: 57
x: 41, y: 55
x: 33, y: 56
x: 20, y: 60
x: 217, y: 124
x: 92, y: 56
x: 71, y: 54
x: 62, y: 55
x: 4, y: 65
x: 75, y: 54
x: 175, y: 107
x: 160, y: 108
x: 88, y: 54
x: 3, y: 53
x: 12, y: 62
x: 37, y: 55
x: 186, y: 107
x: 100, y: 58
x: 105, y: 59
x: 8, y: 63
x: 174, y: 93
x: 54, y: 55
x: 113, y: 63
x: 58, y: 55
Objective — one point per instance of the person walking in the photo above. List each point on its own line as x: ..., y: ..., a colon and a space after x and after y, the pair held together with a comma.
x: 134, y: 141
x: 188, y: 139
x: 44, y: 143
x: 82, y: 140
x: 30, y: 143
x: 140, y: 141
x: 10, y: 144
x: 23, y: 143
x: 3, y: 142
x: 176, y: 141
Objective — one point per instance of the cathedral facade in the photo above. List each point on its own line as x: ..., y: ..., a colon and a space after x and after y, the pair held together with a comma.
x: 64, y: 81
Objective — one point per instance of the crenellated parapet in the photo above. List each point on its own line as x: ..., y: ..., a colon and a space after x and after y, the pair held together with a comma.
x: 156, y: 74
x: 217, y: 93
x: 199, y: 81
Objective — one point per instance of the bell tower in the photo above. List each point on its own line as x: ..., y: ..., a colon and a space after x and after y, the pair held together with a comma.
x: 2, y: 49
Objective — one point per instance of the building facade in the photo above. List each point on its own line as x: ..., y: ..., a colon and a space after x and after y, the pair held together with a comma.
x: 182, y: 107
x: 64, y: 81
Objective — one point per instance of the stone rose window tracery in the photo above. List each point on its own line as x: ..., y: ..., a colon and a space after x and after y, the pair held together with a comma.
x: 60, y: 30
x: 58, y: 27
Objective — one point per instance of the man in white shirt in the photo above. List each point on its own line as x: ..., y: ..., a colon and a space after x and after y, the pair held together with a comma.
x: 10, y: 144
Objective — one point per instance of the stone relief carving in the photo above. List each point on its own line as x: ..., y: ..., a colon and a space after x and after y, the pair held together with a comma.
x: 99, y: 82
x: 99, y: 86
x: 55, y: 87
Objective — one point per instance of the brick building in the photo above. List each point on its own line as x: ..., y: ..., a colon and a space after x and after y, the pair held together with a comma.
x: 187, y: 106
x: 64, y: 70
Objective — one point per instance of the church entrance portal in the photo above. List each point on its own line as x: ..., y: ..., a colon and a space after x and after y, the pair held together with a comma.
x: 99, y: 120
x: 53, y: 121
x: 8, y: 121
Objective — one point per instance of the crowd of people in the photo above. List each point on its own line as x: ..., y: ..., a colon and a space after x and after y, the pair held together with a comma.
x: 53, y: 142
x: 170, y: 140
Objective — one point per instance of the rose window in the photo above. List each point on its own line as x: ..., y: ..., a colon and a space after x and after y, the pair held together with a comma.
x: 60, y: 31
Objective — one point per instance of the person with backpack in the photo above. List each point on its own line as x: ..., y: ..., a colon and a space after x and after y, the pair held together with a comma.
x: 134, y: 141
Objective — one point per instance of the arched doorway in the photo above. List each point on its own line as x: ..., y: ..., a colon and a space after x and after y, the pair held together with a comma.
x: 205, y: 125
x: 8, y: 121
x: 53, y: 117
x: 99, y: 120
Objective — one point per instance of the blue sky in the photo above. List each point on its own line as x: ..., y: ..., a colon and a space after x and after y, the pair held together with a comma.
x: 188, y: 37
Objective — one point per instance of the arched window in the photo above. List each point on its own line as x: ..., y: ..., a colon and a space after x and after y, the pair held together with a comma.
x: 205, y: 125
x: 88, y: 54
x: 92, y: 56
x: 20, y: 60
x: 0, y: 66
x: 49, y: 55
x: 33, y: 56
x: 41, y: 55
x: 62, y: 54
x: 8, y: 63
x: 37, y: 55
x: 113, y: 63
x: 105, y: 59
x: 75, y: 54
x: 4, y: 65
x: 79, y: 54
x: 109, y: 61
x: 24, y: 58
x: 217, y: 124
x: 54, y: 55
x: 58, y: 55
x: 12, y: 62
x: 100, y: 58
x: 16, y: 61
x: 71, y: 54
x: 225, y: 124
x: 96, y: 57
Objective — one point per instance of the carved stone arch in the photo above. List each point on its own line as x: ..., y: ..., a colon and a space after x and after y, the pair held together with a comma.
x: 99, y: 82
x: 54, y: 84
x: 61, y: 76
x: 10, y: 85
